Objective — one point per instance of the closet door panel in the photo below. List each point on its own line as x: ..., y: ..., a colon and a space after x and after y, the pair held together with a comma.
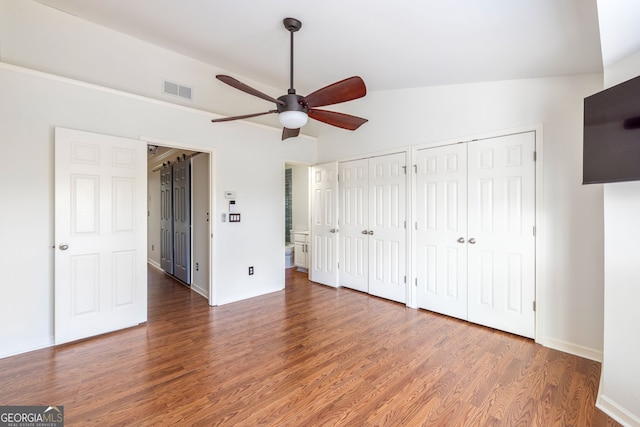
x: 166, y: 218
x: 182, y: 220
x: 440, y: 229
x: 387, y: 232
x: 354, y: 220
x: 501, y: 240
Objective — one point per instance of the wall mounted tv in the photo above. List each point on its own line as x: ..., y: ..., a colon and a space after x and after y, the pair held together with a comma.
x: 612, y: 134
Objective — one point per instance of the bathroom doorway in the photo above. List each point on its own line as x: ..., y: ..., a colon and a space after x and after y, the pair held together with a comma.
x: 296, y: 194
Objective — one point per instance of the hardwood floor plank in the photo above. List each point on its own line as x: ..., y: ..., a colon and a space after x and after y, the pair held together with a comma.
x: 309, y: 355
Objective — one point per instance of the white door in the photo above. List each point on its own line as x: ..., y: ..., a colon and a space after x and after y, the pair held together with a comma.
x: 387, y: 227
x: 441, y: 229
x: 100, y: 234
x: 354, y: 225
x: 324, y: 225
x: 501, y: 243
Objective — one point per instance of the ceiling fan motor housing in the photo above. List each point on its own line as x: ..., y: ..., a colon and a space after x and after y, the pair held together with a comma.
x: 292, y: 102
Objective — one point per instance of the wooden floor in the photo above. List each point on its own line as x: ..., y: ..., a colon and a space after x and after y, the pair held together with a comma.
x: 309, y: 355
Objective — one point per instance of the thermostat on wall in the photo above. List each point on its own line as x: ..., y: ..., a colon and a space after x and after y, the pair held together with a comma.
x: 229, y: 194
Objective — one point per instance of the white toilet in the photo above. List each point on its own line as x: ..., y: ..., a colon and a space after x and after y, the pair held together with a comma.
x: 288, y: 256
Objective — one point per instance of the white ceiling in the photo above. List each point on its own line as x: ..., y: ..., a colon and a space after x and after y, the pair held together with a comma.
x: 391, y: 44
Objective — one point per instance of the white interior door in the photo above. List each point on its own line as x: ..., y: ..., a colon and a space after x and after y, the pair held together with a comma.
x: 100, y: 234
x: 387, y: 227
x: 354, y: 223
x: 324, y: 224
x: 501, y: 240
x: 441, y: 229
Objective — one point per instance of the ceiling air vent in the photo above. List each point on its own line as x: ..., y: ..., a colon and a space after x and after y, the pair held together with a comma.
x: 176, y: 89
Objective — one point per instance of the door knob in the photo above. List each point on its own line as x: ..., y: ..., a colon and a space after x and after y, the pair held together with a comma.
x: 461, y: 240
x: 370, y: 232
x: 63, y: 246
x: 365, y: 232
x: 333, y: 230
x: 472, y: 241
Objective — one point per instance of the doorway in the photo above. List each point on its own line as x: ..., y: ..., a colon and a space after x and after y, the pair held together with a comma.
x: 296, y: 200
x: 159, y: 157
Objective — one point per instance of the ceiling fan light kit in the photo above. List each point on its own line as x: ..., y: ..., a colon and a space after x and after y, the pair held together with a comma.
x: 293, y: 119
x: 294, y: 110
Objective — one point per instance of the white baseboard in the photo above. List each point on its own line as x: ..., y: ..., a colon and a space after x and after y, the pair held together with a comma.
x: 27, y: 347
x: 154, y: 264
x: 200, y: 290
x: 615, y: 411
x: 577, y: 350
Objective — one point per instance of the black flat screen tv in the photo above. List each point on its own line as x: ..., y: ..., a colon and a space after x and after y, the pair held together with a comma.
x: 612, y: 134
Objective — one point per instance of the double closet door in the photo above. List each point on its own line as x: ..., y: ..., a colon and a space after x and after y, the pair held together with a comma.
x: 372, y: 226
x: 475, y: 235
x: 175, y: 219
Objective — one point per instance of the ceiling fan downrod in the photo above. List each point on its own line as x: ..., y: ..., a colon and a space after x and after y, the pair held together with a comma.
x: 292, y: 25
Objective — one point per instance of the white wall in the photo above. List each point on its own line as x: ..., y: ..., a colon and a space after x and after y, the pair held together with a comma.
x: 153, y: 218
x: 200, y: 194
x: 300, y: 197
x: 31, y: 106
x: 619, y: 393
x: 571, y: 230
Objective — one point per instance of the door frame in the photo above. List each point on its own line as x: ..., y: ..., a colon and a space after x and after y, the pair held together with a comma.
x: 537, y: 129
x: 212, y: 200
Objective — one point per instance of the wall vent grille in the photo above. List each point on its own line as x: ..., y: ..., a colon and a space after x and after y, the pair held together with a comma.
x: 176, y: 89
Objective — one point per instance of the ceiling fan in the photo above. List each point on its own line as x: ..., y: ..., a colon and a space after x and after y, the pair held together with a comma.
x: 294, y: 110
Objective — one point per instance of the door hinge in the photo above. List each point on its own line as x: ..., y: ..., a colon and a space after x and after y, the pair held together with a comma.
x: 534, y: 230
x: 405, y: 279
x: 416, y: 281
x: 404, y: 168
x: 416, y: 225
x: 405, y: 225
x: 535, y: 156
x: 534, y: 306
x: 415, y: 169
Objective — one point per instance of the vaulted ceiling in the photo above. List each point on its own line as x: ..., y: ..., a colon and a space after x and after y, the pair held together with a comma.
x: 391, y: 44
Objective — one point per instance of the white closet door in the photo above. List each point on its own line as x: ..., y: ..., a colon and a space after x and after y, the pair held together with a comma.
x: 387, y: 232
x: 441, y: 229
x: 324, y: 224
x: 501, y: 240
x: 100, y: 232
x: 354, y: 250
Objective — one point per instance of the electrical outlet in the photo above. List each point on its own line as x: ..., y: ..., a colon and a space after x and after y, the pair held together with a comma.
x: 251, y: 271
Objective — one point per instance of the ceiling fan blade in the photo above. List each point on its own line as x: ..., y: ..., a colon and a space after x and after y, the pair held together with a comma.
x: 247, y: 89
x: 290, y: 133
x: 341, y: 120
x: 342, y: 91
x: 246, y: 116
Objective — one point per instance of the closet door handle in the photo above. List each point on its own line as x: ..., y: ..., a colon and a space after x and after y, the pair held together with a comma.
x: 472, y: 241
x: 461, y: 240
x: 370, y: 232
x: 365, y: 232
x: 333, y: 230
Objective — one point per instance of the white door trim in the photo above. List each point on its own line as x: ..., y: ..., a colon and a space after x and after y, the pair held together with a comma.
x: 213, y: 213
